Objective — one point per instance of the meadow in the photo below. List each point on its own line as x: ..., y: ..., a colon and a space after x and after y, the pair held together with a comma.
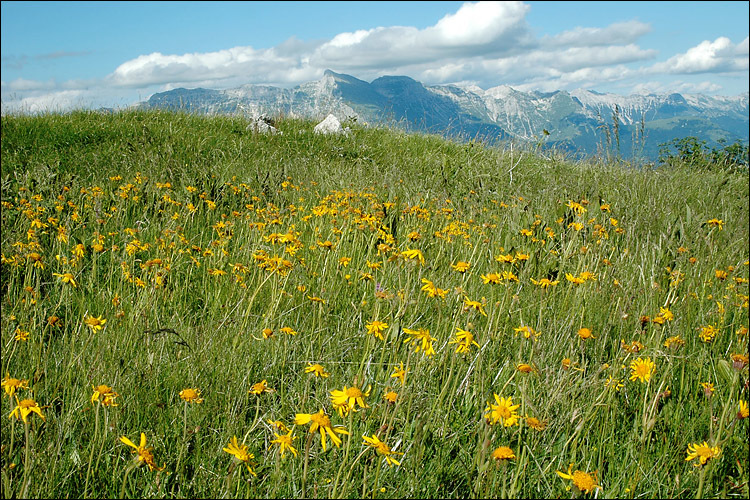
x: 191, y: 310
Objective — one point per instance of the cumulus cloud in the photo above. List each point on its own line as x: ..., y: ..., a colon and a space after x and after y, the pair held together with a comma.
x: 719, y: 56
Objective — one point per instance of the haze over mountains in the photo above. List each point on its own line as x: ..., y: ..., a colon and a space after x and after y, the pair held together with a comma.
x: 580, y: 121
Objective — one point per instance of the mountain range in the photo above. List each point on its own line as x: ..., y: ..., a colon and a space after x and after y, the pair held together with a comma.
x: 581, y: 122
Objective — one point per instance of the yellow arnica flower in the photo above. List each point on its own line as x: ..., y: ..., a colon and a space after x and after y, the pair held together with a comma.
x: 527, y: 332
x: 66, y: 278
x: 503, y: 412
x: 431, y: 290
x: 191, y: 395
x: 474, y: 304
x: 503, y: 453
x: 426, y: 340
x: 461, y: 266
x: 317, y: 370
x: 260, y: 388
x: 642, y: 369
x: 144, y: 453
x: 11, y: 385
x: 105, y: 395
x: 743, y: 412
x: 285, y: 443
x: 536, y: 424
x: 581, y: 480
x: 24, y: 408
x: 95, y: 323
x: 392, y: 396
x: 545, y: 283
x: 344, y: 401
x: 382, y: 449
x: 703, y: 452
x: 399, y: 373
x: 377, y: 328
x: 585, y: 334
x: 708, y: 333
x: 414, y: 254
x: 320, y: 422
x: 241, y: 453
x: 464, y: 340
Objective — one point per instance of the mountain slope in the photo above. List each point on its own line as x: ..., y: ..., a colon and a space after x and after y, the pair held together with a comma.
x: 581, y: 121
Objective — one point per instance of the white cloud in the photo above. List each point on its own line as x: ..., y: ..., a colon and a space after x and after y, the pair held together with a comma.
x: 719, y: 56
x: 617, y: 33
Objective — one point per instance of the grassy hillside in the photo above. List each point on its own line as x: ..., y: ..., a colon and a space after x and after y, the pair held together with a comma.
x: 372, y: 315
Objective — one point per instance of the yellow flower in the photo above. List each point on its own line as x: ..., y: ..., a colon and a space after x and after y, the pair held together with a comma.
x: 717, y: 223
x: 674, y: 342
x: 345, y: 400
x: 576, y: 280
x: 743, y: 412
x: 95, y: 323
x: 105, y: 395
x: 11, y: 385
x: 525, y: 368
x: 666, y: 313
x: 414, y: 254
x: 376, y: 328
x: 503, y: 412
x: 642, y: 369
x: 527, y: 332
x: 240, y: 452
x: 317, y: 370
x: 585, y: 334
x: 536, y: 424
x: 708, y: 333
x: 285, y: 442
x: 544, y: 283
x: 583, y: 481
x: 423, y: 335
x: 320, y: 422
x: 22, y: 335
x: 382, y: 449
x: 24, y: 408
x: 491, y: 279
x: 66, y: 278
x: 473, y: 304
x: 703, y: 452
x: 287, y: 330
x: 431, y: 290
x: 390, y: 396
x: 144, y: 453
x: 191, y: 395
x: 260, y: 388
x: 399, y: 373
x: 461, y: 266
x: 464, y: 340
x: 503, y: 453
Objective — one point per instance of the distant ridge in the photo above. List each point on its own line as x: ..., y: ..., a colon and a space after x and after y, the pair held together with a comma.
x: 578, y: 121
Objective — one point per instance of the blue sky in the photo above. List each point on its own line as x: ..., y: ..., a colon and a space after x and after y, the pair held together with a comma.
x: 62, y: 55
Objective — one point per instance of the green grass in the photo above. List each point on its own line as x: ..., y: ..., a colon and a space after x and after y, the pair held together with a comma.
x: 165, y: 219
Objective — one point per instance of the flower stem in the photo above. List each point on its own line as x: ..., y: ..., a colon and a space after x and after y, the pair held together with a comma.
x: 93, y: 447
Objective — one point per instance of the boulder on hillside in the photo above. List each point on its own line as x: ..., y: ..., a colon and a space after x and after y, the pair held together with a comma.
x: 263, y: 125
x: 330, y: 125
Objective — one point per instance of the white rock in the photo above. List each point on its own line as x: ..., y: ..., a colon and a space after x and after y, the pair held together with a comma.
x: 330, y: 125
x: 261, y: 126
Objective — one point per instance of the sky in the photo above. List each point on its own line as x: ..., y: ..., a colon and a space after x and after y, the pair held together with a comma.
x: 58, y: 56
